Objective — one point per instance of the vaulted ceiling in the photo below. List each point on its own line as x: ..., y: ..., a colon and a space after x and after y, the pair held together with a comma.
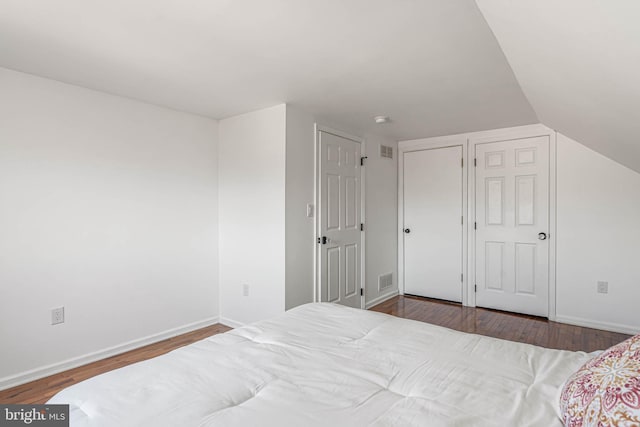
x: 434, y: 66
x: 578, y: 63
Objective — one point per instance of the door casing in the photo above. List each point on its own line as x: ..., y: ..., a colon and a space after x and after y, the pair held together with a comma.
x: 316, y: 218
x: 430, y: 170
x: 503, y: 236
x: 428, y: 144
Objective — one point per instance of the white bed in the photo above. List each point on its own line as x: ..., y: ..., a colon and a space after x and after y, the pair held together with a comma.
x: 329, y: 365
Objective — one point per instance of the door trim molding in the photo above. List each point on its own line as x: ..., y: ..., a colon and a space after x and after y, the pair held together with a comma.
x: 317, y: 128
x: 432, y: 144
x: 468, y: 141
x: 500, y: 135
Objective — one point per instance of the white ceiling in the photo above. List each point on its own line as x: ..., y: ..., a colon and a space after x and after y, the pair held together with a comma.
x: 578, y: 62
x: 434, y: 66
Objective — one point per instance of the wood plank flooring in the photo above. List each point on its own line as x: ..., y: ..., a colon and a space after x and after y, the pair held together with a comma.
x: 515, y: 327
x: 499, y: 324
x: 41, y: 390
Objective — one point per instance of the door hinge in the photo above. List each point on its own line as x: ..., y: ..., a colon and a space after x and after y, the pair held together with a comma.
x: 461, y: 277
x: 475, y: 288
x: 361, y: 227
x: 475, y: 162
x: 462, y: 162
x: 362, y: 159
x: 462, y: 219
x: 475, y: 225
x: 361, y: 291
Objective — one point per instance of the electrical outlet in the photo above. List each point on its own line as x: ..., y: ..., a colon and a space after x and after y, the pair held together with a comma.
x: 603, y: 287
x: 57, y: 316
x: 245, y: 290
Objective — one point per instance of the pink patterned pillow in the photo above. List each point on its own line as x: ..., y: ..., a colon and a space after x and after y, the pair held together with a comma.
x: 605, y: 392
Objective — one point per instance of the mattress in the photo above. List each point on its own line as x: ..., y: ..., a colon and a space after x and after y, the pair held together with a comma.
x: 328, y: 365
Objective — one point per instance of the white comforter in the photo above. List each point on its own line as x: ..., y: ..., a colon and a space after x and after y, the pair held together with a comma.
x: 328, y: 365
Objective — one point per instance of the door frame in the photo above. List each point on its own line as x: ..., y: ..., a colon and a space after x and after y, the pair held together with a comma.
x: 468, y: 142
x: 501, y: 135
x: 317, y: 128
x: 432, y: 144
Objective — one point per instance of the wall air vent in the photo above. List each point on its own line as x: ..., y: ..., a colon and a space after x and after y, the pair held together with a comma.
x: 385, y: 281
x: 386, y: 151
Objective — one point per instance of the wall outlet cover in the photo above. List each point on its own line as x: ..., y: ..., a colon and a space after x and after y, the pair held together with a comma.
x: 57, y: 316
x: 603, y: 287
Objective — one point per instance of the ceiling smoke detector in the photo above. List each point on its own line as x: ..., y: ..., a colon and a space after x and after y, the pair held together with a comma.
x: 381, y: 119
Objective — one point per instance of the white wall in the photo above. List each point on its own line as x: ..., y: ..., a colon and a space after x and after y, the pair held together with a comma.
x: 252, y: 215
x: 145, y: 222
x: 381, y: 211
x: 598, y: 205
x: 299, y: 192
x: 108, y: 208
x: 381, y: 222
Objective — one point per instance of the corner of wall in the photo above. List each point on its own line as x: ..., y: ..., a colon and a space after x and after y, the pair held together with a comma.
x: 116, y: 207
x: 381, y: 219
x: 252, y: 165
x: 299, y: 231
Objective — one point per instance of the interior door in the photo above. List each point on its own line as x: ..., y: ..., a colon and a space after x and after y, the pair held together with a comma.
x: 340, y: 231
x: 433, y: 229
x: 512, y: 220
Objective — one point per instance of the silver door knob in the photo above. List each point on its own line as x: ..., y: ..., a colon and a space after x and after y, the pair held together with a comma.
x: 542, y: 236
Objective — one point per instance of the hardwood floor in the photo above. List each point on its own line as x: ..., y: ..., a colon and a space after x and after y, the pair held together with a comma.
x: 515, y: 327
x: 499, y: 324
x: 41, y: 390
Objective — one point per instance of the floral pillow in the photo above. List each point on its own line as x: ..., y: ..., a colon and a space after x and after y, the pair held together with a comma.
x: 605, y: 392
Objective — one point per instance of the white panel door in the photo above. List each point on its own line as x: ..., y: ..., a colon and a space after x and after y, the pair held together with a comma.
x: 512, y: 220
x: 340, y: 206
x: 432, y: 226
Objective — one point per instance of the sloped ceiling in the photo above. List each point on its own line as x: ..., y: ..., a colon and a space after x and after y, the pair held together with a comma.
x: 434, y: 66
x: 578, y: 63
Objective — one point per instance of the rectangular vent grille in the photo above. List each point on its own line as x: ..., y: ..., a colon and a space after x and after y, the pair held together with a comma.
x: 386, y: 151
x: 385, y: 281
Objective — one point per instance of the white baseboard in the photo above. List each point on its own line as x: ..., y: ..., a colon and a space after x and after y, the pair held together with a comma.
x: 230, y: 322
x: 605, y: 326
x: 381, y: 298
x: 45, y: 371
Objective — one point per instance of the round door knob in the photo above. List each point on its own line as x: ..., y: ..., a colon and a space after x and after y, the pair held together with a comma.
x: 542, y: 236
x: 406, y: 230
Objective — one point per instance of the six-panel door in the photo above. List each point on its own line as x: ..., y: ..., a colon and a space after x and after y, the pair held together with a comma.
x: 340, y: 206
x: 512, y: 220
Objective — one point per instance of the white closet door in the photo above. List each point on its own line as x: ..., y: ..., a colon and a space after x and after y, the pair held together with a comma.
x: 433, y: 223
x: 512, y: 216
